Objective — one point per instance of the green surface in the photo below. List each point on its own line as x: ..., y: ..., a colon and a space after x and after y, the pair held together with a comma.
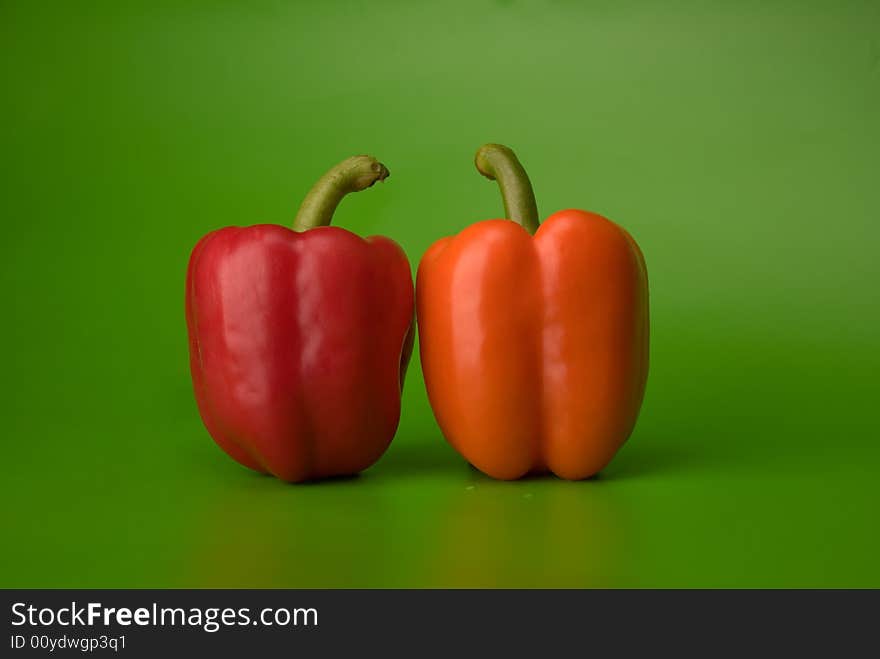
x: 738, y: 142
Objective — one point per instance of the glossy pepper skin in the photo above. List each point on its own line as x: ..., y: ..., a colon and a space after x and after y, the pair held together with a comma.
x: 299, y: 339
x: 534, y: 347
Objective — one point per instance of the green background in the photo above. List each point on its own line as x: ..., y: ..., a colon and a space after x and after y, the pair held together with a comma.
x: 738, y: 142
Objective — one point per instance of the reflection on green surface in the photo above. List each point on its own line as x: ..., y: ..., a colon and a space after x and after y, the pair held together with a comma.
x: 538, y: 533
x: 475, y: 532
x: 736, y: 142
x: 480, y: 534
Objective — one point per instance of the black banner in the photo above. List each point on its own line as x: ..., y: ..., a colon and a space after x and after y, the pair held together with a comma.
x: 143, y: 623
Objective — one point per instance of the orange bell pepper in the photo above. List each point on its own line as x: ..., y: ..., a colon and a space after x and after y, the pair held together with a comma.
x: 534, y: 341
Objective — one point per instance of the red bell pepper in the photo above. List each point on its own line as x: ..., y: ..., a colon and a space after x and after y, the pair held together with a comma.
x: 299, y: 339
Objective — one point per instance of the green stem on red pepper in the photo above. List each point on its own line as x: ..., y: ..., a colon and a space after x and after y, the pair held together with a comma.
x: 351, y: 175
x: 498, y: 163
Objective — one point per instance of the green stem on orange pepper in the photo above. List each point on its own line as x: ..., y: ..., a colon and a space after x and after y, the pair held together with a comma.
x: 498, y: 163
